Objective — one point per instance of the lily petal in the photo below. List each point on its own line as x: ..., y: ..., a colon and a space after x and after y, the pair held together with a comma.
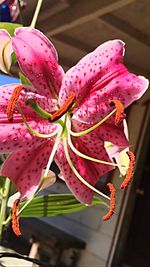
x: 5, y: 51
x: 15, y: 136
x: 90, y: 171
x: 24, y: 168
x: 38, y: 60
x: 114, y: 134
x: 98, y: 78
x: 80, y: 191
x: 105, y: 132
x: 94, y: 66
x: 127, y: 88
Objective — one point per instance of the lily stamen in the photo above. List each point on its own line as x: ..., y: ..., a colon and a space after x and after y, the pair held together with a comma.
x: 77, y: 174
x: 64, y: 108
x: 32, y: 131
x: 112, y: 202
x: 16, y: 217
x: 13, y: 101
x: 76, y: 151
x: 120, y: 115
x: 130, y: 170
x: 94, y: 126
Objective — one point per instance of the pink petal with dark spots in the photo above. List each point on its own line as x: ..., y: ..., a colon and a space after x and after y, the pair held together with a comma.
x: 99, y: 64
x: 126, y: 87
x: 105, y: 132
x: 90, y: 171
x: 80, y: 191
x: 112, y: 133
x: 24, y: 168
x: 92, y: 144
x: 38, y: 60
x: 94, y: 147
x: 15, y: 136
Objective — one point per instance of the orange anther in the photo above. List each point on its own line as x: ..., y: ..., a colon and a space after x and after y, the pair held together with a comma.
x: 12, y: 102
x: 120, y: 115
x: 130, y: 171
x: 64, y: 108
x: 16, y: 217
x: 112, y: 202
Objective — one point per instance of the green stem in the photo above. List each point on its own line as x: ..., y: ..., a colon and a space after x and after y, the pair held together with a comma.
x: 20, y: 12
x: 4, y: 200
x: 36, y: 13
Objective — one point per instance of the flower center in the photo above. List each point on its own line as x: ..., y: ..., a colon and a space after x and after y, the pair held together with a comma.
x: 64, y: 135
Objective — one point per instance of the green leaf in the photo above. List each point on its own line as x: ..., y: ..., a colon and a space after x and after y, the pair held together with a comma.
x: 24, y: 79
x: 54, y: 205
x: 10, y: 27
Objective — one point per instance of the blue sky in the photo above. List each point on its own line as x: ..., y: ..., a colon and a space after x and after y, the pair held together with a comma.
x: 4, y: 79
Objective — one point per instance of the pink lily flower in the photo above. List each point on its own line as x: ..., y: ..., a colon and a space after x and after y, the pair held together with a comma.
x: 77, y: 148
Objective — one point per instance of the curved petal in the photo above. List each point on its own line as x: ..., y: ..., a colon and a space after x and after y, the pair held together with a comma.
x: 5, y: 51
x: 90, y: 171
x: 98, y: 64
x: 98, y: 78
x: 80, y: 191
x: 24, y: 168
x: 94, y: 147
x: 38, y: 60
x: 105, y: 132
x: 15, y: 136
x: 127, y: 88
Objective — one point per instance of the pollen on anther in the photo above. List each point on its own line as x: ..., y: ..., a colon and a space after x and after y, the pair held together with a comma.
x: 16, y: 217
x: 120, y: 115
x: 64, y: 108
x: 112, y: 202
x: 130, y: 170
x: 12, y: 102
